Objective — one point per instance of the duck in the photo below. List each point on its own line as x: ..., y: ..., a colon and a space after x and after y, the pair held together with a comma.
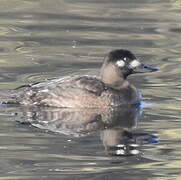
x: 110, y: 89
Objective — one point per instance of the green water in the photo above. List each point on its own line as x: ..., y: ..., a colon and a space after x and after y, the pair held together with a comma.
x: 42, y: 39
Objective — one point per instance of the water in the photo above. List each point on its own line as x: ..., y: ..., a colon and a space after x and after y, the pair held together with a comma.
x: 42, y: 39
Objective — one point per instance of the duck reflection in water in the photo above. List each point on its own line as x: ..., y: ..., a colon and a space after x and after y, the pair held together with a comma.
x: 117, y: 126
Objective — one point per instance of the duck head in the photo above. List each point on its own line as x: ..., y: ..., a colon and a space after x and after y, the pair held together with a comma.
x: 119, y: 64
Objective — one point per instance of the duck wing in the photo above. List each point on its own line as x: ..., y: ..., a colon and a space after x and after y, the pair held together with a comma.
x: 90, y: 84
x: 60, y: 92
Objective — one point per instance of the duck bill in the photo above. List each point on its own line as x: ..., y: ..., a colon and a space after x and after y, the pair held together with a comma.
x: 144, y: 69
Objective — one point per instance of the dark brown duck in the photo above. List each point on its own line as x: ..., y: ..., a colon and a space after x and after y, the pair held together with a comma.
x: 110, y: 89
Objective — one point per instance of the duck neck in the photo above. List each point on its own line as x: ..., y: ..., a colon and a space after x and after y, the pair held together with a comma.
x: 110, y: 76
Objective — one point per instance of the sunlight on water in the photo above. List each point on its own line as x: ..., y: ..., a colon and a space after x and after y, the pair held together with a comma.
x: 44, y: 39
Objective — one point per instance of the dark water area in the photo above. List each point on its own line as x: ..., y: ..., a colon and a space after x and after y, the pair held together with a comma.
x: 43, y: 39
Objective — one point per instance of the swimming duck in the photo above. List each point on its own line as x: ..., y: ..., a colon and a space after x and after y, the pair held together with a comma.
x: 110, y: 89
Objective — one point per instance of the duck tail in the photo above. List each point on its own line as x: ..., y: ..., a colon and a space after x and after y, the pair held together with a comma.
x: 7, y: 97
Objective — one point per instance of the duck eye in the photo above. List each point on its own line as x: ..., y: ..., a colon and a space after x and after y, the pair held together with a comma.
x: 120, y: 63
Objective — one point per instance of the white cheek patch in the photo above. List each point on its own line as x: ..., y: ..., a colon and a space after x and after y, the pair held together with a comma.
x: 135, y: 63
x: 120, y: 63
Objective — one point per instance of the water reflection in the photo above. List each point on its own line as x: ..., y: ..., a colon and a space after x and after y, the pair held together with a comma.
x: 117, y: 126
x: 37, y: 42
